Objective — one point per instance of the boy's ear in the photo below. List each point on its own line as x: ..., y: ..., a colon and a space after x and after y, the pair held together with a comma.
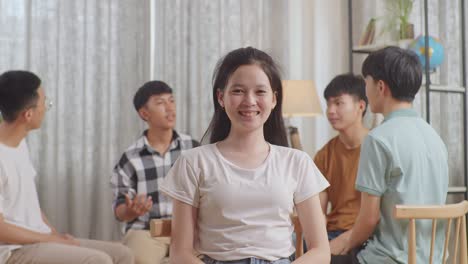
x: 384, y: 88
x: 362, y: 105
x: 28, y: 114
x: 143, y: 113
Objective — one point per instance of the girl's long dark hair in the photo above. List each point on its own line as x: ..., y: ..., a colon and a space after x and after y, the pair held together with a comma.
x: 220, y: 125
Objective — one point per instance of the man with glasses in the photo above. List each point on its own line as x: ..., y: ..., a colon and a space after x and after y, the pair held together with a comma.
x: 26, y: 235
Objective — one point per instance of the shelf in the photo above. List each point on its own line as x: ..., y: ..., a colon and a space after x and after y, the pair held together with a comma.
x: 436, y: 85
x: 456, y: 189
x: 446, y: 88
x: 366, y: 49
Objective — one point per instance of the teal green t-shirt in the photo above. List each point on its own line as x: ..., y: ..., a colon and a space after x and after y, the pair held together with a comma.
x: 403, y: 161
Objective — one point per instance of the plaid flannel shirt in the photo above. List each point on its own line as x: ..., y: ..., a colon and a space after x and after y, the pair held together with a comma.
x: 140, y: 170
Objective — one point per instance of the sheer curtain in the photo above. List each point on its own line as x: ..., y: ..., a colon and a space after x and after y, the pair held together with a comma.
x: 307, y: 38
x: 91, y: 56
x: 190, y: 37
x: 318, y: 38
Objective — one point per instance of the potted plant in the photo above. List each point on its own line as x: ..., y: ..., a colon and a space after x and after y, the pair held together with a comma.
x: 400, y: 11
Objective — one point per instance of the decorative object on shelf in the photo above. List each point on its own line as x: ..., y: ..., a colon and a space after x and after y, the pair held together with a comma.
x: 368, y: 35
x: 400, y: 11
x: 435, y: 51
x: 299, y: 99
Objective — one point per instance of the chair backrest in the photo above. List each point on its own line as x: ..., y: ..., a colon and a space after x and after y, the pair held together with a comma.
x: 449, y: 212
x: 162, y: 228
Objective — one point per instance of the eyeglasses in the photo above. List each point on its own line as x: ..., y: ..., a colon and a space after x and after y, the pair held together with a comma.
x: 48, y: 103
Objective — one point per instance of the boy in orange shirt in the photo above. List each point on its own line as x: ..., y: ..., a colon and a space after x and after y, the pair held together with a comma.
x: 338, y: 160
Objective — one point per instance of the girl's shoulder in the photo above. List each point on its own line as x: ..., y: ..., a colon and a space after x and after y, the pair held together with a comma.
x: 289, y: 153
x: 200, y: 152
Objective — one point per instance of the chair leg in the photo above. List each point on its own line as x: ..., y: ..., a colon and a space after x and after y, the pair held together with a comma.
x: 463, y: 243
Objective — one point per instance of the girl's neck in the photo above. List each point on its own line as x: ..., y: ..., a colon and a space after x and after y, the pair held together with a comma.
x: 252, y: 142
x: 246, y: 150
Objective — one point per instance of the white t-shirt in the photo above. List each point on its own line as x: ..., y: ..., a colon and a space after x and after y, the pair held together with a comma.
x: 19, y: 202
x: 244, y: 213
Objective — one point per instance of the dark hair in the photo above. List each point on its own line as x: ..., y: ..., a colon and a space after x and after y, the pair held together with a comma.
x: 220, y: 125
x: 400, y: 69
x: 18, y: 91
x: 149, y: 89
x: 348, y: 83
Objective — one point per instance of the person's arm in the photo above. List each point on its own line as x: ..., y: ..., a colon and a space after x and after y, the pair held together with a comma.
x: 127, y: 208
x: 12, y: 234
x: 324, y: 201
x: 46, y: 221
x: 320, y: 162
x: 338, y: 244
x: 184, y: 220
x: 313, y: 224
x: 366, y: 222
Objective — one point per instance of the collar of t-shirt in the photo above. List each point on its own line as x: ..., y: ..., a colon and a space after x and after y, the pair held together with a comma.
x: 174, y: 142
x: 408, y: 112
x: 12, y: 150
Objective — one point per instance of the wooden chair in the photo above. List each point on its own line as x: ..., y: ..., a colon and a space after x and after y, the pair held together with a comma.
x: 162, y: 228
x: 447, y: 212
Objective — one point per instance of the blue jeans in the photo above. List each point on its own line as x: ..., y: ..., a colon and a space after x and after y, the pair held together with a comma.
x: 208, y: 260
x: 334, y: 234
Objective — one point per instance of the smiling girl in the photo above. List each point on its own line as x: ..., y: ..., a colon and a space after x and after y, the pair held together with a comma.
x: 233, y: 198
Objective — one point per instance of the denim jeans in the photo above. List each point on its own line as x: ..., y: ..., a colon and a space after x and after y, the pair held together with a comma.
x: 208, y: 260
x: 334, y: 234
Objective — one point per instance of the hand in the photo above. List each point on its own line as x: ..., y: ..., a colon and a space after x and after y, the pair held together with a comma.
x: 71, y: 239
x: 54, y: 231
x: 64, y: 239
x: 139, y: 206
x: 338, y: 246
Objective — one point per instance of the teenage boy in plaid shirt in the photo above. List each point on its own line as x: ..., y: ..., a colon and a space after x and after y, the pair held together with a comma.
x: 143, y: 165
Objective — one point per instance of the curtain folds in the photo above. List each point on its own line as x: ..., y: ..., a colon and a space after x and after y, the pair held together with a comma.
x: 91, y: 57
x: 191, y: 36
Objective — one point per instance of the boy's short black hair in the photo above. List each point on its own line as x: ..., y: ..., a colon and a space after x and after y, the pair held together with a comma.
x: 400, y: 69
x: 18, y: 91
x: 348, y: 83
x: 149, y: 89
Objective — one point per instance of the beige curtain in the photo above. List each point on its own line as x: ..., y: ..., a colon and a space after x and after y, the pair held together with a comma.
x: 91, y: 56
x: 191, y: 36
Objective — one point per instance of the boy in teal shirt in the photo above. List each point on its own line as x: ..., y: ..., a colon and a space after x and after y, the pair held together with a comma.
x: 403, y: 161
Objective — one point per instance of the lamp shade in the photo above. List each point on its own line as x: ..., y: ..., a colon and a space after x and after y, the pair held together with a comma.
x: 300, y: 98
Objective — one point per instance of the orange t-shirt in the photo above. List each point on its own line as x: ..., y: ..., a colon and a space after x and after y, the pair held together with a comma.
x: 339, y: 165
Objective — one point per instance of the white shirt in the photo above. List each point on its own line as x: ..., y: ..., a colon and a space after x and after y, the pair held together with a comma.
x: 244, y: 213
x: 19, y: 202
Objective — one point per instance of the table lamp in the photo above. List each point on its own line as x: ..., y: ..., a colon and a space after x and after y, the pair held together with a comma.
x: 299, y: 99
